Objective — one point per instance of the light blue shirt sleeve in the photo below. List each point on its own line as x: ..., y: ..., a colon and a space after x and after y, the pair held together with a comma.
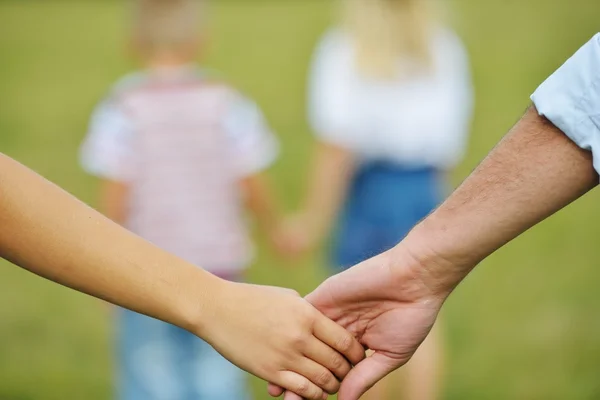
x: 570, y: 98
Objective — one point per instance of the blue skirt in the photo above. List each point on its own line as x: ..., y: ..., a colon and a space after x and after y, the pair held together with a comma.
x: 385, y: 201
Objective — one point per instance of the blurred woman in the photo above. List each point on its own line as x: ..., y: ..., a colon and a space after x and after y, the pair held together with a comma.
x: 390, y: 102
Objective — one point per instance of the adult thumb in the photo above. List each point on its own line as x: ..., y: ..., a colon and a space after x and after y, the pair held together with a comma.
x: 366, y: 374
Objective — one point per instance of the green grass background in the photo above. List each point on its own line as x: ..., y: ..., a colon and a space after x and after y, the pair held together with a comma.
x: 525, y: 325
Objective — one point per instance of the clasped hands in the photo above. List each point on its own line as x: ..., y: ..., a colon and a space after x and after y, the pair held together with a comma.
x: 386, y: 305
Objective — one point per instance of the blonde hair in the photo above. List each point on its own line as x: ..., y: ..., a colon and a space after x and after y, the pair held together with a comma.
x: 166, y: 24
x: 388, y: 31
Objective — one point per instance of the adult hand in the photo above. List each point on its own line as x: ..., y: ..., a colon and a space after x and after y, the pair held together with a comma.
x: 391, y: 301
x: 277, y: 335
x: 270, y: 332
x: 389, y: 304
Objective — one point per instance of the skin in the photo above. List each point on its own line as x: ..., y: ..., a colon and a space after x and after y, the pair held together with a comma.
x: 260, y: 201
x: 391, y: 301
x: 270, y: 332
x: 332, y: 170
x: 329, y: 180
x: 114, y: 196
x: 327, y: 366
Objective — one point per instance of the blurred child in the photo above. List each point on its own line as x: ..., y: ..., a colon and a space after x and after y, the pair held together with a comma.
x: 390, y: 103
x: 178, y: 151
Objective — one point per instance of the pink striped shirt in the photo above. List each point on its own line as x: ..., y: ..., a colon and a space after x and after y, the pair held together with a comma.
x: 182, y: 143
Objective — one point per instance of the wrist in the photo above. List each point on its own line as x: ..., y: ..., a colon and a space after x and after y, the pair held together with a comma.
x: 199, y: 302
x: 434, y: 257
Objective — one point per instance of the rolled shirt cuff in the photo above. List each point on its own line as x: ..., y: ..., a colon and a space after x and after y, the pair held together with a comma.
x: 570, y: 98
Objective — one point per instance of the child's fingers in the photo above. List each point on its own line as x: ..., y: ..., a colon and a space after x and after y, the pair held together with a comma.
x: 300, y: 385
x: 328, y: 358
x: 339, y: 339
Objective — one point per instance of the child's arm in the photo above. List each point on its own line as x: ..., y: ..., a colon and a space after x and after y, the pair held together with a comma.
x: 260, y: 200
x: 328, y: 183
x: 253, y: 148
x: 267, y: 331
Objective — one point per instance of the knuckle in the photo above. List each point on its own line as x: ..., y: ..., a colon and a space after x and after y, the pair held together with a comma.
x: 298, y: 341
x: 339, y: 364
x: 303, y: 387
x: 314, y: 393
x: 324, y: 379
x: 307, y: 315
x: 345, y: 343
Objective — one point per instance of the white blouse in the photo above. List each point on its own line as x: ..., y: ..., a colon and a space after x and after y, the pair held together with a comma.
x: 418, y: 121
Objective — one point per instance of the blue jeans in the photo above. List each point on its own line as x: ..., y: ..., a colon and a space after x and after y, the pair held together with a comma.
x: 159, y: 361
x: 385, y: 201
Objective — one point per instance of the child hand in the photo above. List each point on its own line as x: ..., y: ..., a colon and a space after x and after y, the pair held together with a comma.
x: 275, y: 334
x: 294, y: 236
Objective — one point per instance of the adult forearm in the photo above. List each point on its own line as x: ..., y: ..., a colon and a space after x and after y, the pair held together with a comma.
x: 77, y: 247
x: 532, y: 173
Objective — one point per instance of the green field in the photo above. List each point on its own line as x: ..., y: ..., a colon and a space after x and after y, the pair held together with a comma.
x: 525, y: 325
